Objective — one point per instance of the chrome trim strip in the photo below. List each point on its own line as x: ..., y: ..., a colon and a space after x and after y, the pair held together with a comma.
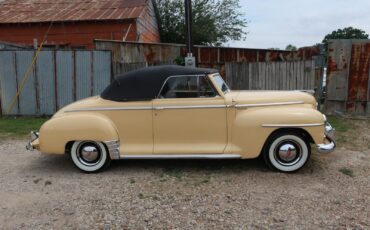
x: 182, y: 156
x: 113, y: 149
x: 189, y: 107
x: 292, y: 125
x: 269, y: 104
x: 149, y: 108
x: 111, y: 108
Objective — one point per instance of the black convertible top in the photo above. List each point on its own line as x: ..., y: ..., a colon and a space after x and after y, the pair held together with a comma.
x: 145, y: 83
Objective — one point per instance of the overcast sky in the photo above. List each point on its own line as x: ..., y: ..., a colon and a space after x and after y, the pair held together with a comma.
x: 277, y: 23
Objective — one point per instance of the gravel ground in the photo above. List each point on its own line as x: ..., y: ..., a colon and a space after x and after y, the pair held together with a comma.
x: 48, y: 192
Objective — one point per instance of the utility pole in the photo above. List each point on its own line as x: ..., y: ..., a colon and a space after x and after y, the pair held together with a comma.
x: 189, y: 59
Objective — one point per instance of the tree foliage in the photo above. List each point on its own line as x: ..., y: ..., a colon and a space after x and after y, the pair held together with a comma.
x: 214, y: 21
x: 345, y: 33
x: 291, y: 47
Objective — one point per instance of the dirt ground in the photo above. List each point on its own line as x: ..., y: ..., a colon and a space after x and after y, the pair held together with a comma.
x: 48, y: 192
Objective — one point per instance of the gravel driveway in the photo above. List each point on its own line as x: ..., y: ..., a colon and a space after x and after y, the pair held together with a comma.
x: 38, y: 191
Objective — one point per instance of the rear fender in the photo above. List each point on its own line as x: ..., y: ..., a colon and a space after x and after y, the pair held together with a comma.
x: 58, y: 131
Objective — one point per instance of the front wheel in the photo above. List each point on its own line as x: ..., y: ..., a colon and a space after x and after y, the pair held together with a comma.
x: 89, y: 156
x: 287, y: 152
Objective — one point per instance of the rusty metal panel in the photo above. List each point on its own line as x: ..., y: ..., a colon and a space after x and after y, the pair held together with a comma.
x: 151, y: 53
x: 8, y: 82
x: 64, y: 77
x: 27, y: 98
x: 359, y: 72
x: 101, y: 71
x: 358, y: 78
x: 83, y: 60
x: 339, y: 56
x: 348, y: 77
x: 20, y: 11
x: 45, y: 75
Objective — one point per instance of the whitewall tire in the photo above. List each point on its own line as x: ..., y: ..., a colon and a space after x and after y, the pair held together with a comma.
x: 287, y: 152
x: 89, y: 156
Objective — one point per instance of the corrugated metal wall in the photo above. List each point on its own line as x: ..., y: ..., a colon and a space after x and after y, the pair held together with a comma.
x: 295, y: 75
x: 348, y: 77
x: 57, y: 79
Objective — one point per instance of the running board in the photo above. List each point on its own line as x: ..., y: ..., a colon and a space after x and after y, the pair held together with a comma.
x: 183, y: 156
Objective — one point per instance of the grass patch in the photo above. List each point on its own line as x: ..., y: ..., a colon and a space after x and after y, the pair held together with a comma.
x: 342, y: 128
x: 347, y: 171
x: 340, y: 124
x: 351, y: 132
x: 19, y: 127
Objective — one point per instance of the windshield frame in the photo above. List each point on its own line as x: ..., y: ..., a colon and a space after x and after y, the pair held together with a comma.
x: 219, y: 83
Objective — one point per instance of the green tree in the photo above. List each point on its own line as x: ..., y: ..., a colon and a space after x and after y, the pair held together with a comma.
x: 291, y: 47
x: 214, y: 21
x: 345, y: 33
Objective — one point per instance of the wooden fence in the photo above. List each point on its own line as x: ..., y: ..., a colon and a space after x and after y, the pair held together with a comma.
x: 291, y: 75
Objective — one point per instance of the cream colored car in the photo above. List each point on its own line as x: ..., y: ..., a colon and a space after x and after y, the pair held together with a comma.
x: 180, y: 113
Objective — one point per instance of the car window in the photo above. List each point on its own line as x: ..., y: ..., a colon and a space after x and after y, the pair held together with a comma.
x: 187, y: 87
x: 221, y: 83
x: 205, y: 87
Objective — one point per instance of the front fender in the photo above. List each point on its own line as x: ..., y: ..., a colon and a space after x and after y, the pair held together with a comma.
x: 58, y: 131
x: 249, y: 130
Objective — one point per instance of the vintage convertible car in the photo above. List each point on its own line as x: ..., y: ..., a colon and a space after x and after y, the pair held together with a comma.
x: 178, y: 112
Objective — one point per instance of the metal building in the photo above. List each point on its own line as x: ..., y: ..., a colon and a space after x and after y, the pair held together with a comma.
x: 77, y: 23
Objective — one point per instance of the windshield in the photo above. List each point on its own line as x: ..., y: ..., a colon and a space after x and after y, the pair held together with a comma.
x: 221, y: 83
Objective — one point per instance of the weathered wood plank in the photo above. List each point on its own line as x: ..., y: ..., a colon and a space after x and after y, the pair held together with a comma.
x: 271, y: 75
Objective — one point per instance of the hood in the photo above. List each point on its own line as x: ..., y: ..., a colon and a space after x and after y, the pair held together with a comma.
x: 260, y: 97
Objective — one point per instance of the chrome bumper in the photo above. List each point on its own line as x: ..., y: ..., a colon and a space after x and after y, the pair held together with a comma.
x: 329, y: 135
x: 34, y: 136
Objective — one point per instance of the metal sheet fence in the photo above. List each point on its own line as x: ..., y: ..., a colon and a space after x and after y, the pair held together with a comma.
x: 57, y: 79
x: 348, y: 77
x: 291, y: 75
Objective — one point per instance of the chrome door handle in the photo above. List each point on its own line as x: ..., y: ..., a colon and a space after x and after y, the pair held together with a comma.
x: 158, y: 108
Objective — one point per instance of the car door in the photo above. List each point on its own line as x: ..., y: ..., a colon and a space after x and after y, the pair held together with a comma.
x: 189, y: 117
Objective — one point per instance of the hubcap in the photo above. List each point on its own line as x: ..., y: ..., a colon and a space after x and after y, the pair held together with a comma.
x: 89, y: 153
x: 288, y: 153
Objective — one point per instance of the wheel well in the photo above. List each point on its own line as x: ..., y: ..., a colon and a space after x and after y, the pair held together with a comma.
x: 70, y: 143
x: 299, y: 131
x: 69, y: 147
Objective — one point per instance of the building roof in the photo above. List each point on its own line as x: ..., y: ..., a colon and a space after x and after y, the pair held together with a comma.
x: 145, y: 83
x: 33, y: 11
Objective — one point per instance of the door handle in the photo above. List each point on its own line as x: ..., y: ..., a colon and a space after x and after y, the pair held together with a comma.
x: 158, y: 108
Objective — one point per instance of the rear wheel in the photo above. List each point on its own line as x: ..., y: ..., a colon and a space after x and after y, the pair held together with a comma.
x: 89, y: 156
x: 287, y: 152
